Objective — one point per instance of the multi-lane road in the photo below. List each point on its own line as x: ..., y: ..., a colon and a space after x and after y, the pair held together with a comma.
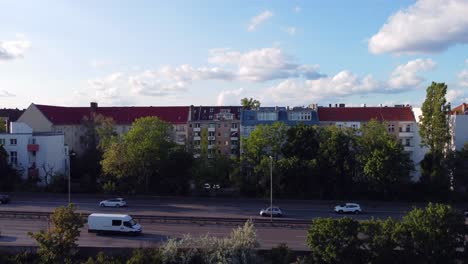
x: 14, y: 232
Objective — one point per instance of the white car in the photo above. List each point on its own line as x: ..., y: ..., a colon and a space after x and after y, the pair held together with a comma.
x: 117, y: 202
x: 348, y: 208
x: 275, y: 211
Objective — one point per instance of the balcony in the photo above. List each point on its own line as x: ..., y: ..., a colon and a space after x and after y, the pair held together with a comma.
x: 233, y: 146
x: 211, y: 138
x: 234, y: 129
x: 406, y: 134
x: 33, y: 147
x: 196, y: 138
x: 408, y: 148
x: 211, y: 146
x: 211, y: 129
x: 197, y: 129
x: 234, y: 138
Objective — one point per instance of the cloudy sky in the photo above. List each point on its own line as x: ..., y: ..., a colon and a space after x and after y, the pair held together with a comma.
x: 216, y: 52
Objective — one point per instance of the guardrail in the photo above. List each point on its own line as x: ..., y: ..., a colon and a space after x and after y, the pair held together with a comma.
x: 277, y: 222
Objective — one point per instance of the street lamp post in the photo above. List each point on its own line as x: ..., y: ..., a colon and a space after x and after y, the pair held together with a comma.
x: 70, y: 154
x: 271, y: 188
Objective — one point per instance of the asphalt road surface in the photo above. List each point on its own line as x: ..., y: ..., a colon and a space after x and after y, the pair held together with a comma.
x: 202, y: 207
x: 14, y: 231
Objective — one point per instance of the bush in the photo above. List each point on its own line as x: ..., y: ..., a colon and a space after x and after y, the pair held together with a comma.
x: 281, y: 254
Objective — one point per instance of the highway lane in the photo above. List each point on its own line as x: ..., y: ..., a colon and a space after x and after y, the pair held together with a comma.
x: 202, y: 207
x: 14, y: 233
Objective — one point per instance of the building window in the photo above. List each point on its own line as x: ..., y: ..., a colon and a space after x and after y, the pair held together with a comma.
x: 391, y: 128
x: 298, y: 116
x: 225, y: 135
x: 212, y: 125
x: 408, y: 128
x: 211, y: 110
x: 401, y: 141
x: 2, y: 141
x: 266, y: 116
x: 211, y: 142
x: 197, y: 125
x: 234, y: 125
x: 354, y: 126
x: 408, y: 142
x: 196, y: 133
x: 13, y: 141
x: 233, y: 151
x: 211, y: 134
x: 210, y: 117
x: 14, y: 157
x: 219, y: 125
x: 234, y: 142
x: 400, y: 129
x: 196, y: 142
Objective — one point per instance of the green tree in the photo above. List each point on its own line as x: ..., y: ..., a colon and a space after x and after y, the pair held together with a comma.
x: 334, y: 240
x: 8, y: 175
x: 385, y: 166
x: 58, y: 245
x: 432, y: 234
x: 379, y: 241
x: 264, y: 141
x: 250, y: 103
x: 434, y: 127
x: 298, y: 174
x: 98, y: 132
x: 336, y: 160
x: 460, y: 169
x: 144, y: 157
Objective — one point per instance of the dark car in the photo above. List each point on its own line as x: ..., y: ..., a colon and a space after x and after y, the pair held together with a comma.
x: 4, y: 198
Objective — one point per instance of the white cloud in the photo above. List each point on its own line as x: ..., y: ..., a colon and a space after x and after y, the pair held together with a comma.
x: 425, y: 27
x: 257, y: 20
x: 463, y: 76
x: 14, y: 49
x: 297, y: 9
x: 290, y: 30
x: 406, y: 75
x: 262, y: 65
x: 230, y: 97
x: 453, y: 96
x: 5, y: 93
x: 345, y: 84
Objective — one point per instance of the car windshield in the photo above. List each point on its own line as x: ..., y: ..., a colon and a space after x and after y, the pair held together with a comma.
x: 132, y: 222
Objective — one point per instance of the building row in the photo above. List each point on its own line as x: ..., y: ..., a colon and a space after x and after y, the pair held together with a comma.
x: 223, y: 127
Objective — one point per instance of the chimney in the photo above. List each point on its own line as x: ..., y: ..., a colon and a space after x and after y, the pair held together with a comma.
x: 336, y: 105
x: 94, y: 106
x: 342, y: 105
x: 329, y: 105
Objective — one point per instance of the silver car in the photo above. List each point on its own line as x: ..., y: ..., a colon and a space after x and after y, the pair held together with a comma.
x: 348, y: 208
x: 116, y: 202
x: 275, y: 211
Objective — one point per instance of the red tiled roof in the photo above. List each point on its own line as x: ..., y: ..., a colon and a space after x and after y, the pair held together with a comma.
x: 365, y: 114
x: 461, y: 109
x: 60, y: 115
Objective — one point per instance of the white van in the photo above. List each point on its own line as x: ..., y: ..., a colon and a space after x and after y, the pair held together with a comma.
x: 112, y: 223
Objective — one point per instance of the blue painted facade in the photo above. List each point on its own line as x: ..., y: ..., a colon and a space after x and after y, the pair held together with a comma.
x: 269, y: 115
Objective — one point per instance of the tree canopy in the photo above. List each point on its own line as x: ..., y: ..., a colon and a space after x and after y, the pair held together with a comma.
x: 250, y: 103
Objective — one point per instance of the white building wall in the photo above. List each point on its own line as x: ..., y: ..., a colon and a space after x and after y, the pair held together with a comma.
x: 52, y: 151
x: 459, y: 131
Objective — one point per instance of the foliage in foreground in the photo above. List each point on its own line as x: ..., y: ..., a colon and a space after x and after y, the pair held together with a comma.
x: 58, y: 245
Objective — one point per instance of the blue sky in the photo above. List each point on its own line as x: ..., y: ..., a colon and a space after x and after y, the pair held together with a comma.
x: 217, y: 52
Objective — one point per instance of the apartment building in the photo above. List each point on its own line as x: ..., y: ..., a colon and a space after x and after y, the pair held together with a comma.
x: 459, y: 126
x: 35, y: 155
x: 219, y: 124
x: 399, y: 118
x: 69, y: 120
x: 269, y: 115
